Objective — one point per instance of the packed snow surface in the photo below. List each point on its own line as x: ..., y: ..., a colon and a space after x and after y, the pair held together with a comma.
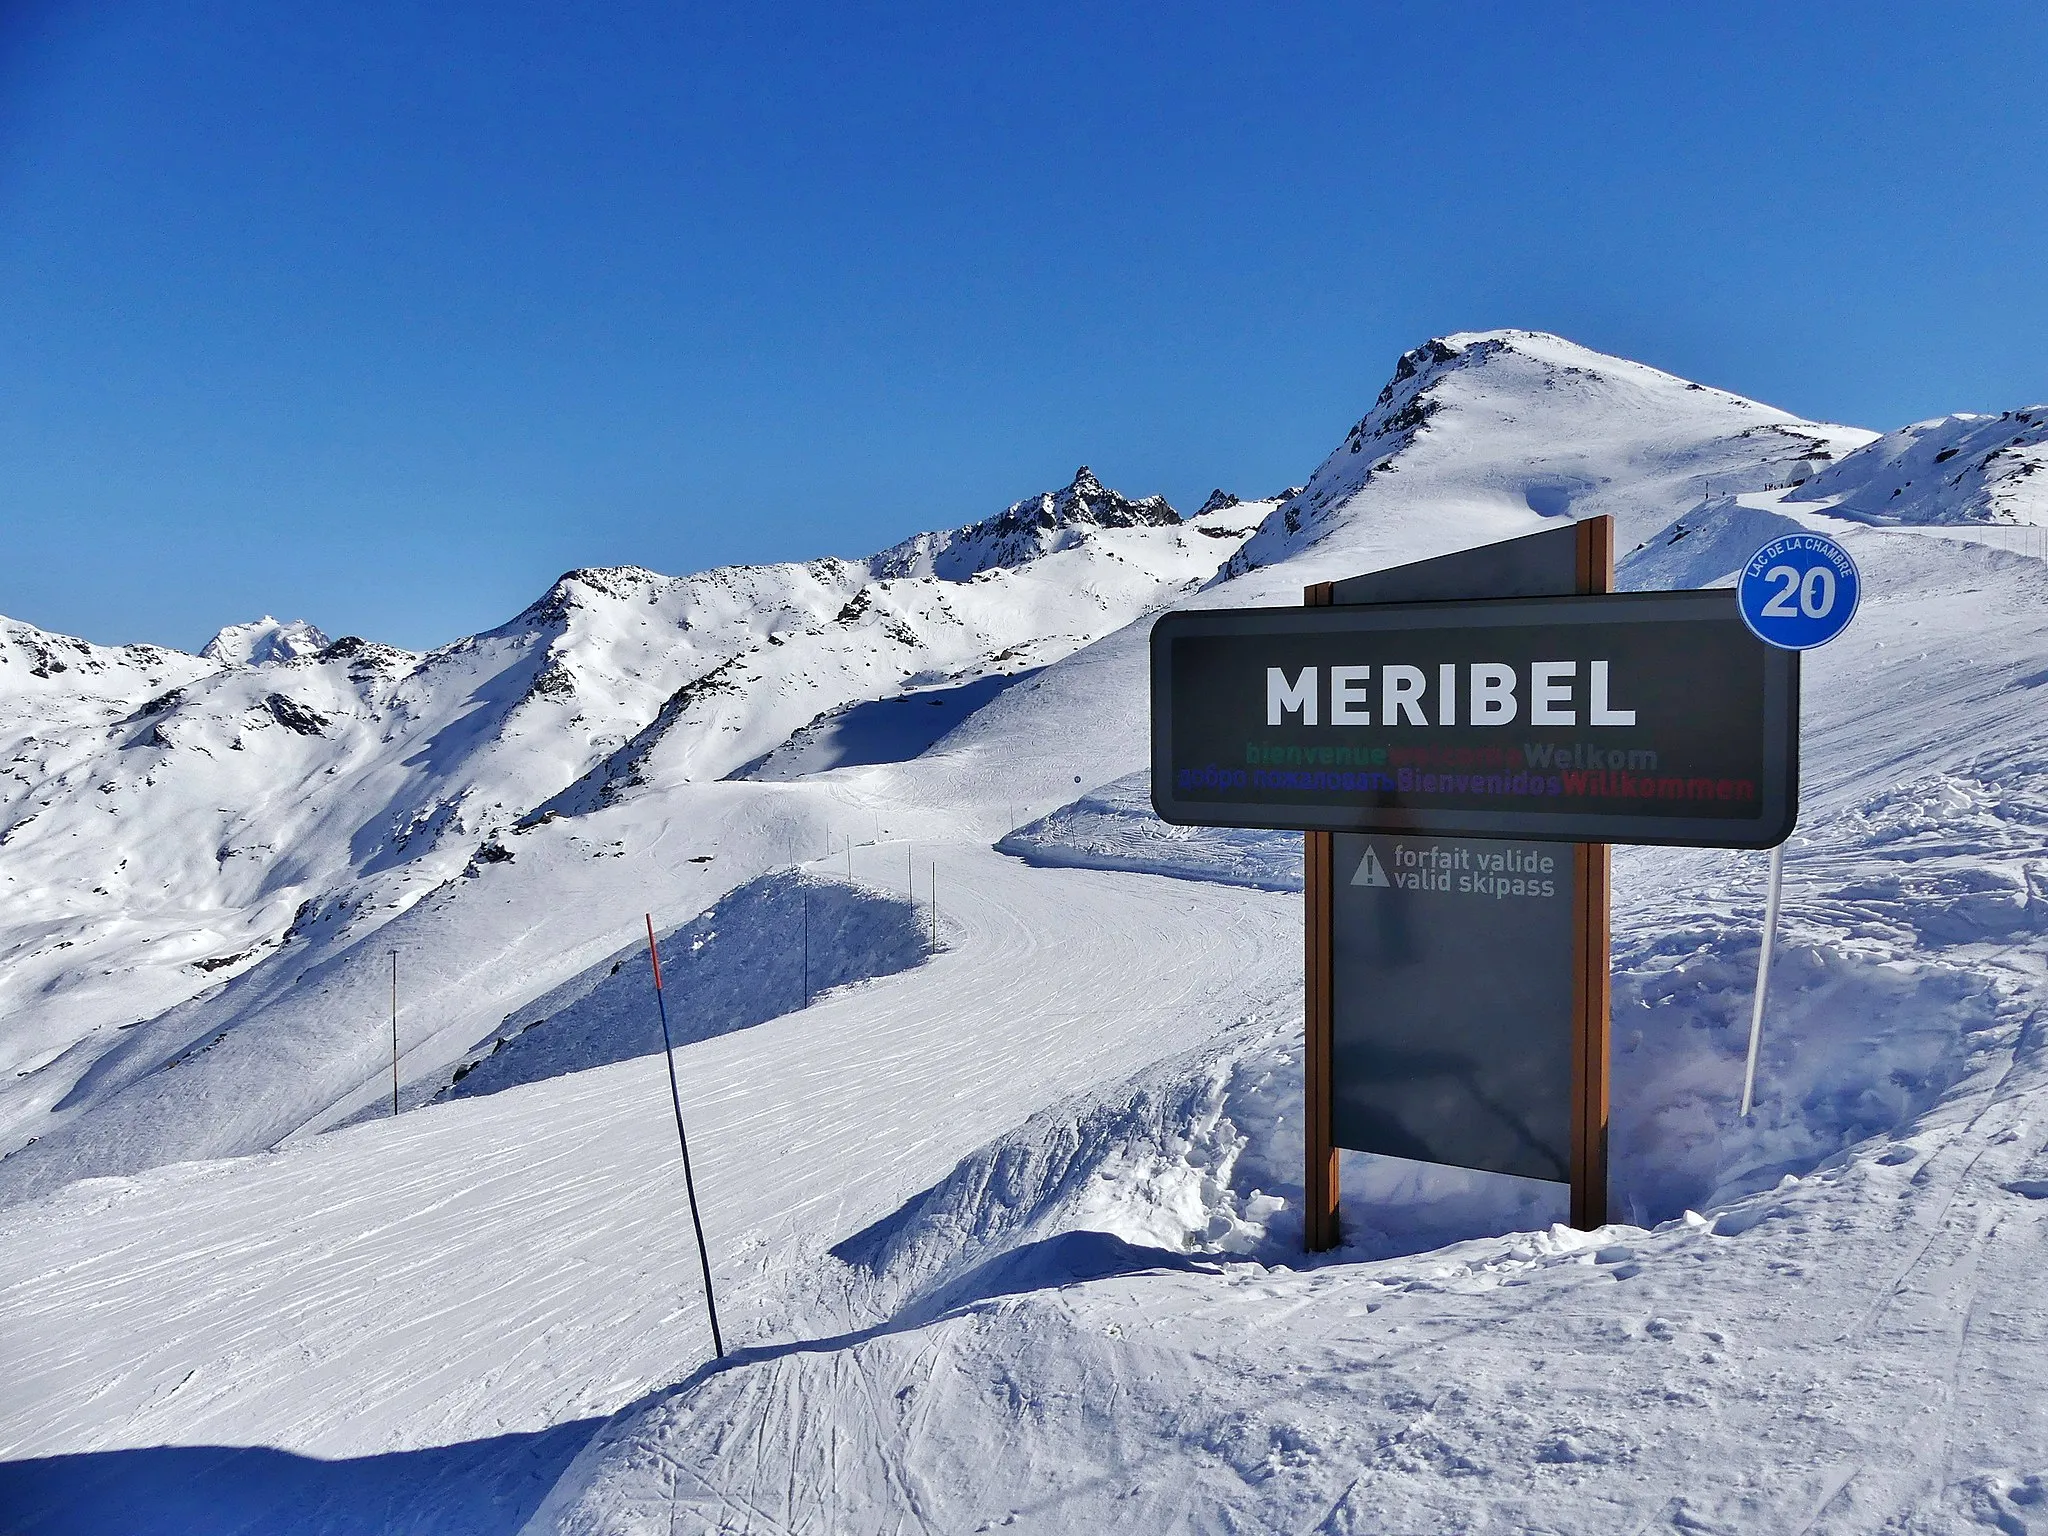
x: 1002, y: 1197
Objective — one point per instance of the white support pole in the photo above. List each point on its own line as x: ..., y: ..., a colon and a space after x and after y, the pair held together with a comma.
x: 1763, y: 978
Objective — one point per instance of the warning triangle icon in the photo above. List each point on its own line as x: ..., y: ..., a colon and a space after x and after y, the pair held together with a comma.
x: 1370, y: 871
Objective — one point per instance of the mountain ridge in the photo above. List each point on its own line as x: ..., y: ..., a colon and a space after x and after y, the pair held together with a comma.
x: 322, y: 799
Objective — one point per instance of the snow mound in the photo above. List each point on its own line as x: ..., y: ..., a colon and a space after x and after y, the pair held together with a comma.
x: 1870, y: 1024
x: 1550, y: 1381
x: 264, y: 641
x: 1115, y: 827
x: 763, y: 950
x: 1179, y: 1158
x: 1705, y: 548
x: 1891, y: 984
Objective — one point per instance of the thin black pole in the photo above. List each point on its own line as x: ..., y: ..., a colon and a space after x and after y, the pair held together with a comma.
x: 394, y: 1034
x: 804, y: 895
x: 675, y: 1096
x: 935, y: 909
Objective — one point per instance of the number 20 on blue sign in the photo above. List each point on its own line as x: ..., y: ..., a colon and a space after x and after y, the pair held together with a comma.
x: 1799, y: 591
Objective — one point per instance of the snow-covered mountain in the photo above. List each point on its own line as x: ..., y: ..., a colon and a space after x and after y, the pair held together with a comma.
x: 51, y: 683
x: 263, y: 641
x: 1004, y: 1224
x: 1026, y: 531
x: 197, y: 818
x: 1953, y: 470
x: 1493, y: 433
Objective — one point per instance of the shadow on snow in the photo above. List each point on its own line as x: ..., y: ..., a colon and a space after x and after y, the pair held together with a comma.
x: 469, y: 1489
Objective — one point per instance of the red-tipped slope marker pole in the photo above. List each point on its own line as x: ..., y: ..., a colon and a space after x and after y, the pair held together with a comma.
x: 675, y: 1096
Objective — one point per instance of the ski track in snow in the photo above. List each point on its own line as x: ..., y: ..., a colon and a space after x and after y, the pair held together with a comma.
x: 496, y: 1265
x: 1008, y: 1240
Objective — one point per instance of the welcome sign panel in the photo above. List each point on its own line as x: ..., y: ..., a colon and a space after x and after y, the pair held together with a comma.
x: 1652, y: 717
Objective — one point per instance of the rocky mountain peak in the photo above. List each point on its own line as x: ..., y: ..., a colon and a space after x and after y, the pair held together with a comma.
x: 1024, y: 531
x: 1087, y: 500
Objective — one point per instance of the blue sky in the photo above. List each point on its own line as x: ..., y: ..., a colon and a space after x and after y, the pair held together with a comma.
x: 384, y: 314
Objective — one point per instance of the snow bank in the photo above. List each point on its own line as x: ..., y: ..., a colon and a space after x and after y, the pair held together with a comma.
x: 1705, y: 548
x: 1805, y: 1363
x: 1871, y: 1021
x: 1893, y: 981
x: 1114, y: 827
x: 764, y: 950
x: 1179, y: 1158
x: 1197, y: 1156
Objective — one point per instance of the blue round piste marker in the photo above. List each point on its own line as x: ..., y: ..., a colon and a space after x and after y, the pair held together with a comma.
x: 1799, y: 591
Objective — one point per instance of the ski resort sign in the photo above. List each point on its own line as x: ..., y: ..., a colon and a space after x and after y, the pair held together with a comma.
x: 1647, y: 717
x: 1461, y: 739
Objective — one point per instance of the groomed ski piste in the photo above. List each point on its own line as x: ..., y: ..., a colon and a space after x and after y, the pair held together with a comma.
x: 1002, y: 1190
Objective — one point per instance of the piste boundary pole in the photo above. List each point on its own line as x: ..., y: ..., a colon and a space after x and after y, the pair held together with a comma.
x: 675, y: 1095
x: 394, y: 1034
x: 1763, y: 980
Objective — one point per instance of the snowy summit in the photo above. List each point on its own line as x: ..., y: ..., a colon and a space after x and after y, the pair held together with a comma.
x: 1026, y: 530
x: 264, y: 641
